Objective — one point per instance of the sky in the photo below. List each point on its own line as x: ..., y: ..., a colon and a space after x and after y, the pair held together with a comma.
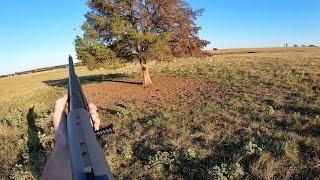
x: 41, y: 33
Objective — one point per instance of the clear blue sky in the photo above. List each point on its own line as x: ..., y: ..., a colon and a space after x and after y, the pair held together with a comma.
x: 40, y: 33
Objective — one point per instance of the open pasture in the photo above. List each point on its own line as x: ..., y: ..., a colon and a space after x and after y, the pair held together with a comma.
x: 241, y: 113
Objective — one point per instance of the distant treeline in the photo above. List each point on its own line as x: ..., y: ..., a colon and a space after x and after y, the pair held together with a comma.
x: 38, y: 70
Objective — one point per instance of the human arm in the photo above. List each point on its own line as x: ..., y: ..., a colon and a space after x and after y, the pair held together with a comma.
x: 58, y: 165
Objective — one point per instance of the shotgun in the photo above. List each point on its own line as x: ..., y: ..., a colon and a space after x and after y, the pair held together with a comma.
x: 87, y: 158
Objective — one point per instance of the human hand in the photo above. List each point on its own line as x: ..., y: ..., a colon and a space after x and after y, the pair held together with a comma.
x: 60, y: 120
x: 58, y: 166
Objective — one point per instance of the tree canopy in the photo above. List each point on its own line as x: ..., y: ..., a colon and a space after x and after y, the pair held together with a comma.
x: 126, y: 30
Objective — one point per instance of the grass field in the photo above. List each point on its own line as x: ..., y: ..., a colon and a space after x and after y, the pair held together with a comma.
x: 240, y: 114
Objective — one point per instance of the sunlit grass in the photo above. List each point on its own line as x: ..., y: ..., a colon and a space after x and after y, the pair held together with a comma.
x: 263, y: 120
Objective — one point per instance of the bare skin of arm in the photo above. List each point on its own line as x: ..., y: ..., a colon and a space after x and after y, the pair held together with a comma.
x: 58, y: 165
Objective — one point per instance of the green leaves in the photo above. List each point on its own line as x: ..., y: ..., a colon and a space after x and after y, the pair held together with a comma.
x: 224, y: 171
x: 138, y: 30
x: 252, y: 149
x: 94, y: 55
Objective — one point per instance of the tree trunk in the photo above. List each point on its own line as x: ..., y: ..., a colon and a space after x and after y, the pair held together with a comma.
x: 146, y: 76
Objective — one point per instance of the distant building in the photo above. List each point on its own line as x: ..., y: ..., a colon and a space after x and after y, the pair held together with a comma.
x: 295, y: 45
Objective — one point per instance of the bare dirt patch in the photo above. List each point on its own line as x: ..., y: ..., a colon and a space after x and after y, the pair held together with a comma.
x: 171, y: 93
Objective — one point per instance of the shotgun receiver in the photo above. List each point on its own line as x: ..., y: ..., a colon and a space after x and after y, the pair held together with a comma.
x: 87, y: 158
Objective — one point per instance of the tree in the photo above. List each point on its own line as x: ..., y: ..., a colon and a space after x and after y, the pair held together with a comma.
x: 126, y: 30
x: 178, y: 18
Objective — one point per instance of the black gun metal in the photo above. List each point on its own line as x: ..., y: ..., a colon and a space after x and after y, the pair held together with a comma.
x: 87, y: 157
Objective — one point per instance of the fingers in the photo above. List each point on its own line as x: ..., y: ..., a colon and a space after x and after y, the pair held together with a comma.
x: 58, y: 113
x: 95, y: 116
x: 61, y: 104
x: 92, y: 106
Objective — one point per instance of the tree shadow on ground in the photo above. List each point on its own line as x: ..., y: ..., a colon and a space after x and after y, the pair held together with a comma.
x: 36, y: 151
x: 302, y: 110
x: 116, y: 77
x: 152, y: 139
x: 142, y: 151
x: 145, y: 119
x: 312, y: 130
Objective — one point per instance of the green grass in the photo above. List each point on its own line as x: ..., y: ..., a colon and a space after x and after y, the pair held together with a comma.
x: 262, y: 122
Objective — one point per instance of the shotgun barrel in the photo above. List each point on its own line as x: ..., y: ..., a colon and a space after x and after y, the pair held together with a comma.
x: 87, y: 157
